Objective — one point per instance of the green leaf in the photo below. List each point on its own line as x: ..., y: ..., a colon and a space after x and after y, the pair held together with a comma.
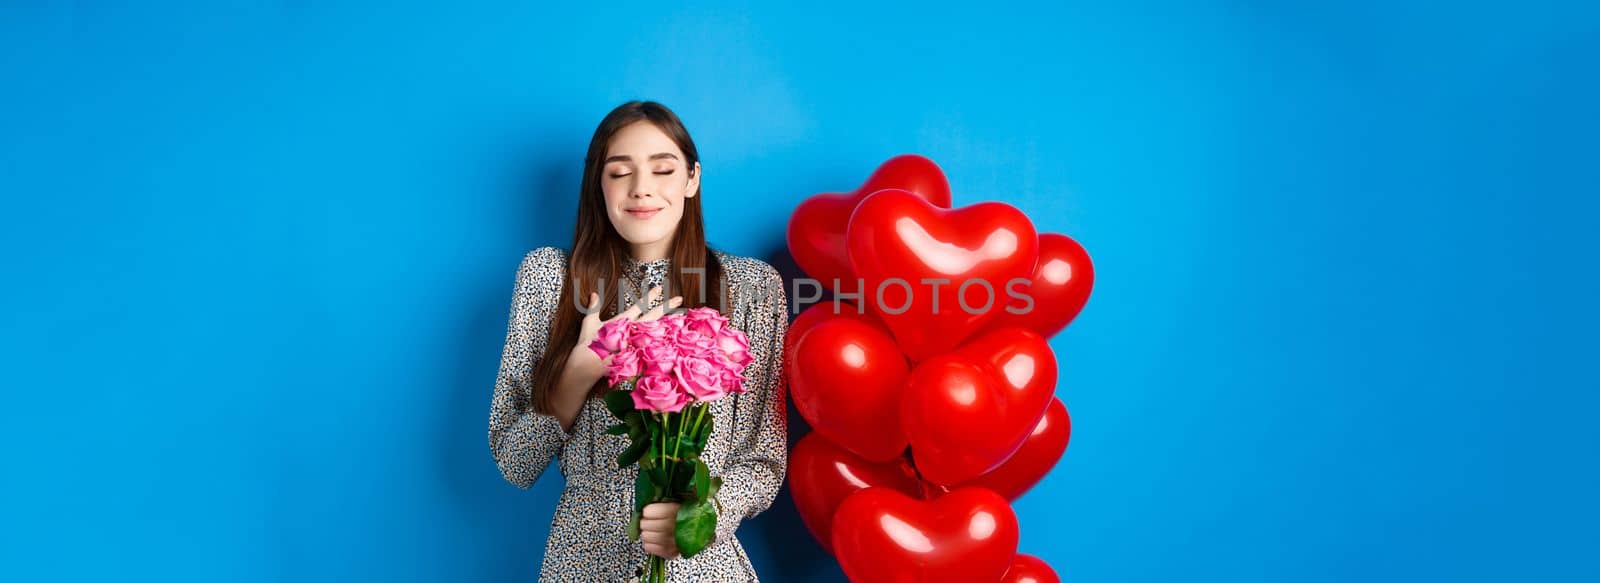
x: 682, y: 479
x: 620, y: 403
x: 658, y: 442
x: 631, y: 455
x: 618, y: 429
x: 685, y: 445
x: 716, y: 486
x: 702, y: 481
x: 704, y: 435
x: 633, y: 526
x: 658, y: 478
x: 644, y: 492
x: 697, y: 523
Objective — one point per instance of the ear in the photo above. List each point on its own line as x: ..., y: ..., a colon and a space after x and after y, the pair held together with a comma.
x: 693, y: 188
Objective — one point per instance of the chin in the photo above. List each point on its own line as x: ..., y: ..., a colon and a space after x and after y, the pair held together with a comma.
x: 644, y: 236
x: 647, y: 233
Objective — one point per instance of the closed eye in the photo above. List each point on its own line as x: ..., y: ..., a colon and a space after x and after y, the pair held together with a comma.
x: 667, y: 173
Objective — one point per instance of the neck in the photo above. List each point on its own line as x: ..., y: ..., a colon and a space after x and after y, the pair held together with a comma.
x: 648, y: 252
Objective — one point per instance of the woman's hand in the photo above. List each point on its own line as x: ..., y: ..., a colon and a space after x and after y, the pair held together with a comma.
x: 658, y: 524
x: 584, y: 361
x: 584, y: 368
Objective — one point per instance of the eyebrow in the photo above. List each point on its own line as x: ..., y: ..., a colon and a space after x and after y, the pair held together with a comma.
x: 627, y: 158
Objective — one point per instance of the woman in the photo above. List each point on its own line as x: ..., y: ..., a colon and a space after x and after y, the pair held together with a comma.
x: 639, y: 227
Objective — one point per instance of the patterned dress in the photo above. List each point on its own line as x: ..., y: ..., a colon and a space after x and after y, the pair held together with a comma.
x: 588, y: 538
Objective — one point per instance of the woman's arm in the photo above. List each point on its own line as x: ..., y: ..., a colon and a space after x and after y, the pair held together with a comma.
x: 524, y: 441
x: 584, y: 368
x: 760, y: 455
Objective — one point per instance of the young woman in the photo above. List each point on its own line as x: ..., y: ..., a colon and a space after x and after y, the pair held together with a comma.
x: 639, y: 228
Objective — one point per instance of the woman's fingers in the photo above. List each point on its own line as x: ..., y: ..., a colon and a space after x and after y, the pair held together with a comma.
x: 657, y: 536
x: 661, y: 310
x: 635, y: 310
x: 658, y: 511
x: 592, y: 309
x: 631, y: 313
x: 657, y: 525
x: 663, y: 551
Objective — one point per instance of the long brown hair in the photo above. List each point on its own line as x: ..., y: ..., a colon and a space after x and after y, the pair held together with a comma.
x: 598, y: 251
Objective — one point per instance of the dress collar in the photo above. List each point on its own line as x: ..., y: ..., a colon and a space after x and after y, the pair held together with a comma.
x: 645, y: 271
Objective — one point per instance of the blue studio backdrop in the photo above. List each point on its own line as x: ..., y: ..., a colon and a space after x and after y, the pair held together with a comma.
x: 259, y: 257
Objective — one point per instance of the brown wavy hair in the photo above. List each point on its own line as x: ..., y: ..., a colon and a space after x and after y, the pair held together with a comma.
x: 598, y: 251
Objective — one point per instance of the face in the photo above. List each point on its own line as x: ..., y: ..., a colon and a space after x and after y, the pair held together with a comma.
x: 646, y: 184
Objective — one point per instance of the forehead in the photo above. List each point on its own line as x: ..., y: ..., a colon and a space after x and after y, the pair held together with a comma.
x: 641, y: 140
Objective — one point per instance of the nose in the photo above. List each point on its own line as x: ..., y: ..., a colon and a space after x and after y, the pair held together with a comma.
x: 642, y: 187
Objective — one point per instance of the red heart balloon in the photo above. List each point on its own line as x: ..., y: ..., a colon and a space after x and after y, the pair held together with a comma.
x: 966, y: 412
x: 1038, y: 454
x: 902, y: 247
x: 1030, y: 569
x: 817, y: 314
x: 883, y: 536
x: 846, y: 378
x: 817, y: 228
x: 822, y: 475
x: 1059, y: 287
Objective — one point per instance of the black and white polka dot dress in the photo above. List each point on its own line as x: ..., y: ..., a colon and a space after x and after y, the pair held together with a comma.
x: 588, y: 538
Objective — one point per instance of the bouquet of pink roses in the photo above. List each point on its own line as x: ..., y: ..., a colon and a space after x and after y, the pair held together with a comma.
x: 668, y: 371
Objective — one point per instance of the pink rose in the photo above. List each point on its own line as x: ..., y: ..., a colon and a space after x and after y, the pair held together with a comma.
x: 611, y: 337
x: 694, y: 344
x: 624, y: 365
x: 659, y: 394
x: 645, y: 333
x: 659, y: 358
x: 732, y: 381
x: 734, y: 344
x: 675, y: 326
x: 700, y: 379
x: 705, y: 321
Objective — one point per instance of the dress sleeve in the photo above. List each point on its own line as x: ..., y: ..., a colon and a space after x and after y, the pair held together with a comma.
x: 755, y: 470
x: 524, y: 441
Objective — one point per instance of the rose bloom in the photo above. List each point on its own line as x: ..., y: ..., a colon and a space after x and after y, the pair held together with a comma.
x: 674, y: 327
x: 732, y: 381
x: 611, y: 337
x: 646, y: 333
x: 659, y: 394
x: 624, y: 365
x: 735, y: 345
x: 705, y: 321
x: 659, y: 358
x: 700, y: 379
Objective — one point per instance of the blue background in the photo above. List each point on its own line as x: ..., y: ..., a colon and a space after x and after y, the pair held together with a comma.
x: 259, y: 256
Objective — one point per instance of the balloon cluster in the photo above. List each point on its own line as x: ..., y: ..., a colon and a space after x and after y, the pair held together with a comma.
x: 932, y: 394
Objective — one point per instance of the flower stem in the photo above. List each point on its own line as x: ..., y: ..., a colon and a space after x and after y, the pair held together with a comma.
x: 698, y: 418
x: 677, y: 444
x: 666, y: 421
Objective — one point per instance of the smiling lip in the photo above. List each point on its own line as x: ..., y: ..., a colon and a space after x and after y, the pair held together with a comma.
x: 643, y: 213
